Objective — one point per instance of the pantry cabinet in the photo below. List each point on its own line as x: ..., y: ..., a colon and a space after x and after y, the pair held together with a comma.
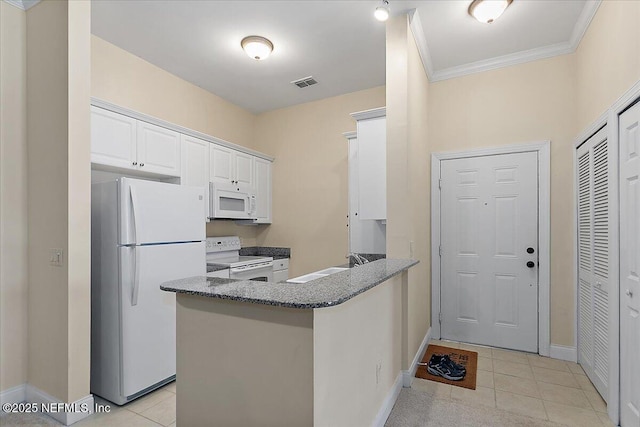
x: 263, y: 190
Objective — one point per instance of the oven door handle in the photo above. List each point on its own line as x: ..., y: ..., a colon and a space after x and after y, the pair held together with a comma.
x: 257, y: 267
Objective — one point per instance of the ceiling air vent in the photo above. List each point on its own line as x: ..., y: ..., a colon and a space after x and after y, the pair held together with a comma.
x: 304, y: 82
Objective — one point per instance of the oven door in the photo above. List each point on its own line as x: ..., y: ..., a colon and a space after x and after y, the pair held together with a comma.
x: 261, y: 273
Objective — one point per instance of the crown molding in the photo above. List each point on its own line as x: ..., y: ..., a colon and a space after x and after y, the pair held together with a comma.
x: 415, y: 24
x: 23, y: 4
x: 584, y: 20
x: 503, y: 61
x: 579, y: 30
x: 350, y: 135
x: 373, y: 113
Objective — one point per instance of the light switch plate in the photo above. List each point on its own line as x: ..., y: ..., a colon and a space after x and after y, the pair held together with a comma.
x: 55, y: 257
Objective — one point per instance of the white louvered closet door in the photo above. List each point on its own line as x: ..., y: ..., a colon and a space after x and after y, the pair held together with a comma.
x: 594, y: 259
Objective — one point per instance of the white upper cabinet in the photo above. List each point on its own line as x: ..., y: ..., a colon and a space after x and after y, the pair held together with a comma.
x: 194, y: 168
x: 372, y: 164
x: 244, y: 168
x: 263, y: 190
x: 158, y: 149
x: 113, y: 139
x: 230, y: 166
x: 221, y: 164
x: 122, y: 142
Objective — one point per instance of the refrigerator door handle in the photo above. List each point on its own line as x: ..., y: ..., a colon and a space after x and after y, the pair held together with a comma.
x: 134, y: 198
x: 136, y: 276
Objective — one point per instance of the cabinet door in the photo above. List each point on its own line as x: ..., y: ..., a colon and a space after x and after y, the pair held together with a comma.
x: 372, y: 176
x: 221, y: 164
x: 194, y: 168
x: 244, y: 169
x: 113, y: 139
x: 158, y: 149
x: 263, y: 190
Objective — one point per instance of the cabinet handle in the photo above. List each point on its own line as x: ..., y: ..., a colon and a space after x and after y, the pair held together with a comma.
x: 141, y: 164
x: 135, y: 163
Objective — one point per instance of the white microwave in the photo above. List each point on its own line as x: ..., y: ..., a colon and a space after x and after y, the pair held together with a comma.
x: 228, y: 201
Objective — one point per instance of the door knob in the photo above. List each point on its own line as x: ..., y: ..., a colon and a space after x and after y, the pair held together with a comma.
x: 530, y: 250
x: 629, y: 293
x: 531, y: 264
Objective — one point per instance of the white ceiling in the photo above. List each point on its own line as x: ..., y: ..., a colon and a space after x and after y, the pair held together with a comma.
x: 338, y: 42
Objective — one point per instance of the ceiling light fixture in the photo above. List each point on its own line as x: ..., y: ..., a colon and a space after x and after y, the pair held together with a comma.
x: 257, y: 47
x: 382, y: 12
x: 488, y: 11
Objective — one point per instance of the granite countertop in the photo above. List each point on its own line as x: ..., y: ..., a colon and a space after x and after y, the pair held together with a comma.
x: 327, y: 291
x: 276, y: 253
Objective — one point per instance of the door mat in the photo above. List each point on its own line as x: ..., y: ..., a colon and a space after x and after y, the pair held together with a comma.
x: 468, y: 359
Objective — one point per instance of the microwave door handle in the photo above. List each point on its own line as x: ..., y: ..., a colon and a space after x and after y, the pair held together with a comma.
x: 136, y: 276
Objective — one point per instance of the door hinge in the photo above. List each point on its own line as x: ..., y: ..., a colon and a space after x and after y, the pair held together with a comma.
x: 440, y: 317
x: 440, y: 184
x: 440, y: 250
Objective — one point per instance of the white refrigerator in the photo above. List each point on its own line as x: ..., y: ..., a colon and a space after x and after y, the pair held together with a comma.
x: 143, y: 233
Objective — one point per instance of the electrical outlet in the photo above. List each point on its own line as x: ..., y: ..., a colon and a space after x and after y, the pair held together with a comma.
x: 55, y: 257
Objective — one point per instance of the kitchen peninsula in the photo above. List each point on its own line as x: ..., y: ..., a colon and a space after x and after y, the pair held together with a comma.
x: 326, y: 352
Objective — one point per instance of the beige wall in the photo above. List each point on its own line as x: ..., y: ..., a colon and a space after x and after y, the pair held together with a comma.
x: 523, y: 103
x: 58, y: 197
x: 607, y: 59
x: 13, y: 197
x: 310, y: 177
x: 408, y: 168
x: 126, y: 80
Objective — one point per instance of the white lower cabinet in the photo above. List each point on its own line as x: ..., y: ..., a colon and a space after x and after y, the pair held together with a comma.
x: 194, y: 168
x: 280, y: 270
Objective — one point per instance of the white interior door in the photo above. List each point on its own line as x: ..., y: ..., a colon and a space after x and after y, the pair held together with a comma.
x: 630, y: 267
x: 489, y: 239
x: 148, y: 326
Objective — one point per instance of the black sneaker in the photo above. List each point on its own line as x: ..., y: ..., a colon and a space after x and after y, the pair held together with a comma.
x: 438, y: 366
x: 456, y: 366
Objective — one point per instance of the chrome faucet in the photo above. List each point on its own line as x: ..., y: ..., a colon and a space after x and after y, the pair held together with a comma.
x: 360, y: 260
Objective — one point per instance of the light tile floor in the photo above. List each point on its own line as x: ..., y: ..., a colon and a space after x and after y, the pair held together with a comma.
x: 525, y: 384
x: 519, y: 383
x: 153, y: 410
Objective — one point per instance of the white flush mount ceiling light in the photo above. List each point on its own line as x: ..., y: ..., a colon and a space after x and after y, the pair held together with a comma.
x: 382, y: 12
x: 488, y: 11
x: 257, y: 47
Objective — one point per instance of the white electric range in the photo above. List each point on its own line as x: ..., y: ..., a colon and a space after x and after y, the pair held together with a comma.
x: 225, y: 252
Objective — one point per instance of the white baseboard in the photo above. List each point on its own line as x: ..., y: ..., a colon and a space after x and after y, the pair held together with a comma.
x: 15, y: 394
x: 78, y: 410
x: 563, y: 352
x: 388, y: 403
x: 408, y: 375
